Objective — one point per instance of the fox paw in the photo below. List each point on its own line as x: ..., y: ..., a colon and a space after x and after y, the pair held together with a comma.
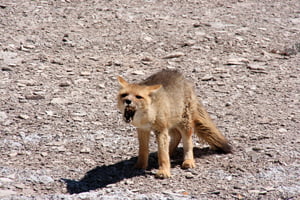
x: 190, y: 163
x: 162, y: 173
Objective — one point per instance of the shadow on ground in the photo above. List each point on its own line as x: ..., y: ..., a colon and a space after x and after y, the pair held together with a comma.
x: 102, y: 176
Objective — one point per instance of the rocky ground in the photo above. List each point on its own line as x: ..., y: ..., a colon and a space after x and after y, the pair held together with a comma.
x: 61, y: 136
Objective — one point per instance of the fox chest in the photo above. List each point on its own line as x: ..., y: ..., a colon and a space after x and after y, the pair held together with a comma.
x: 143, y: 120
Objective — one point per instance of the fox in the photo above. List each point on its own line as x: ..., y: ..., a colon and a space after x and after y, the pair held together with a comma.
x: 166, y: 104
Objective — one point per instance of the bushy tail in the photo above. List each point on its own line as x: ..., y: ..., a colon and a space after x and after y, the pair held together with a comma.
x: 207, y: 131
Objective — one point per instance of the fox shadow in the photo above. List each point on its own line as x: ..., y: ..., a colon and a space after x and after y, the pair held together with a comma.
x: 101, y: 176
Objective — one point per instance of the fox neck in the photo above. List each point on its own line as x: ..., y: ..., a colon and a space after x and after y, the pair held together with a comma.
x: 144, y: 119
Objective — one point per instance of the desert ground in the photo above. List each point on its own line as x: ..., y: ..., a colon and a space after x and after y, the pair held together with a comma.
x: 62, y: 136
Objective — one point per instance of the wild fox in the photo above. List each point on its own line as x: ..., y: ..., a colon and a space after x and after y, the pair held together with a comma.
x: 166, y: 104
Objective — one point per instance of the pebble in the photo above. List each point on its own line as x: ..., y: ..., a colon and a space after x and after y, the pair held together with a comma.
x: 6, y: 180
x: 138, y: 73
x: 45, y: 179
x: 26, y: 83
x: 3, y: 116
x: 23, y: 116
x: 256, y: 66
x: 85, y: 150
x: 85, y: 73
x: 34, y: 97
x: 189, y: 175
x: 282, y: 130
x: 207, y: 77
x: 236, y: 61
x: 49, y: 112
x: 174, y: 55
x: 4, y: 193
x: 6, y: 69
x: 59, y: 100
x: 64, y: 84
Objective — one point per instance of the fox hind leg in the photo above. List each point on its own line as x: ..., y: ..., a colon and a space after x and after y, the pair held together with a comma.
x: 188, y: 157
x: 175, y: 138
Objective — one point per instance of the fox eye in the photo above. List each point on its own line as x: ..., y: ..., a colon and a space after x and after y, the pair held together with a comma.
x: 124, y: 95
x: 138, y: 97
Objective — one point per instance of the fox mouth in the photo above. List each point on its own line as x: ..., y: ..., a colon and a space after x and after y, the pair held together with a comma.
x: 129, y: 114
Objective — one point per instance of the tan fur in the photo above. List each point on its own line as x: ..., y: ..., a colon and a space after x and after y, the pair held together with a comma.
x: 166, y: 104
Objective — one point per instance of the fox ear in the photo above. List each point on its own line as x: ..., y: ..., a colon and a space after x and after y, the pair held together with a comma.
x: 122, y: 82
x: 154, y: 88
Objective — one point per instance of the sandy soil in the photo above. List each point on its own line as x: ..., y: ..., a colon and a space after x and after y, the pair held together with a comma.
x: 62, y: 137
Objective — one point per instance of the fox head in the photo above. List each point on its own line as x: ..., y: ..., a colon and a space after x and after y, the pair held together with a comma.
x: 134, y: 101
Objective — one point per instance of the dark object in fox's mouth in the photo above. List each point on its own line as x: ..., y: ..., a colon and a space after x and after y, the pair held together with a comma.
x: 128, y: 114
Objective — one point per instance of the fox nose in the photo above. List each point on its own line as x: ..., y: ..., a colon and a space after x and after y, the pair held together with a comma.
x: 128, y: 102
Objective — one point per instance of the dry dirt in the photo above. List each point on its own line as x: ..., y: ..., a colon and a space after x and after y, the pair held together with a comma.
x: 61, y: 136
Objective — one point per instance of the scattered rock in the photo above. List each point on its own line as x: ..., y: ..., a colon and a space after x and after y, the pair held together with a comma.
x: 189, y: 175
x: 65, y: 84
x: 85, y: 150
x: 207, y: 77
x: 59, y: 100
x: 174, y: 55
x: 49, y: 112
x: 23, y: 116
x: 256, y: 66
x: 3, y: 116
x: 34, y: 97
x: 138, y: 73
x: 45, y: 180
x: 85, y: 73
x: 282, y: 130
x: 236, y: 61
x: 5, y: 193
x: 6, y: 180
x: 6, y: 69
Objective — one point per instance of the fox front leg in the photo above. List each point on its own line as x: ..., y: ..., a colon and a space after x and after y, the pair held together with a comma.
x: 163, y: 140
x: 143, y: 137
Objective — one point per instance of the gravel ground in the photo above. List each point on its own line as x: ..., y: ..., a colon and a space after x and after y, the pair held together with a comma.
x: 62, y: 137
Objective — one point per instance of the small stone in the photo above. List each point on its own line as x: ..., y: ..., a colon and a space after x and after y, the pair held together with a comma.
x: 236, y: 61
x: 94, y: 58
x: 59, y: 101
x: 45, y: 180
x: 101, y: 85
x: 4, y: 193
x: 207, y: 78
x: 77, y: 119
x: 174, y: 55
x: 282, y: 130
x: 138, y: 73
x: 3, y: 116
x: 49, y: 112
x: 228, y: 104
x: 44, y: 154
x: 34, y: 97
x: 6, y: 69
x: 20, y: 186
x: 23, y: 116
x: 146, y: 59
x: 29, y: 46
x: 189, y: 175
x: 64, y: 84
x: 61, y: 149
x: 6, y: 180
x: 13, y: 154
x: 27, y: 83
x: 85, y: 73
x: 255, y: 66
x: 85, y: 150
